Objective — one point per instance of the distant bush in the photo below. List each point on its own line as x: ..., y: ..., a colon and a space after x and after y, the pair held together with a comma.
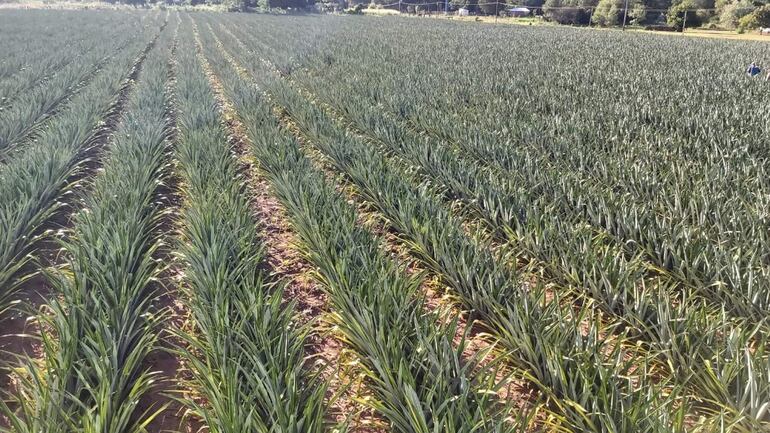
x: 661, y: 28
x: 355, y: 10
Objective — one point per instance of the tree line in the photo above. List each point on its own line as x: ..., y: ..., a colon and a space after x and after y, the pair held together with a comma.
x: 723, y: 14
x: 739, y: 15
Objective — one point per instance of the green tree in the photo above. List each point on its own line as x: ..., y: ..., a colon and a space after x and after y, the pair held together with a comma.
x: 730, y: 13
x: 285, y: 4
x: 696, y: 12
x: 569, y: 11
x: 610, y: 12
x: 637, y: 15
x: 679, y: 12
x: 759, y: 18
x: 532, y: 4
x: 490, y: 7
x: 657, y: 4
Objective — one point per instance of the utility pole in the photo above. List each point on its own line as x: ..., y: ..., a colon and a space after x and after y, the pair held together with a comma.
x: 496, y: 14
x: 591, y: 18
x: 684, y: 21
x: 625, y: 14
x: 399, y: 6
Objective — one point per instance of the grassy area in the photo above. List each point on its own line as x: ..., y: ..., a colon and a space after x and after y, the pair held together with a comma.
x: 526, y: 21
x: 380, y: 12
x: 726, y: 34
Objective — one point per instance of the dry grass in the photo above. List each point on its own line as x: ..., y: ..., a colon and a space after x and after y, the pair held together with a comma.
x: 722, y: 34
x: 380, y: 12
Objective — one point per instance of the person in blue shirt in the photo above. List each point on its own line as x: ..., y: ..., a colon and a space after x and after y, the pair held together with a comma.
x: 753, y: 70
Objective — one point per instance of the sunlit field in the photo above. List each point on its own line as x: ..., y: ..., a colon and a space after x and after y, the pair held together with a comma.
x: 263, y: 223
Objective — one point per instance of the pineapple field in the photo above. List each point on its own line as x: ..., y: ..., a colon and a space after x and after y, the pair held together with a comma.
x: 234, y: 223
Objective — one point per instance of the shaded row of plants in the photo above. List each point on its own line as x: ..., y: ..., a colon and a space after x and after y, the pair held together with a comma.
x: 98, y: 327
x: 35, y: 184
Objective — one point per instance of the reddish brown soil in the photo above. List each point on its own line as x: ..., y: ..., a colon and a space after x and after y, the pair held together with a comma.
x: 18, y: 337
x: 170, y: 370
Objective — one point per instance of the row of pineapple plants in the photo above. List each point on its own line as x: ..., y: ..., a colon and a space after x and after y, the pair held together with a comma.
x: 37, y: 183
x: 21, y: 117
x: 244, y: 349
x: 701, y: 346
x: 31, y: 57
x: 649, y: 193
x: 99, y: 325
